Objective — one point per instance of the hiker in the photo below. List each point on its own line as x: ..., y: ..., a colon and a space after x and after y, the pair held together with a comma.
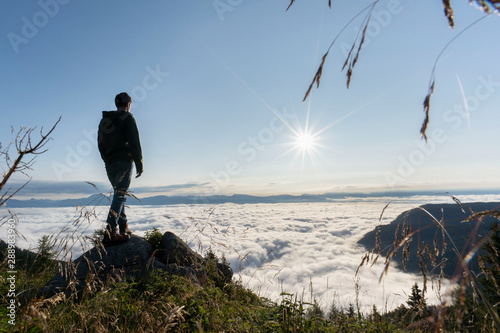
x: 120, y: 147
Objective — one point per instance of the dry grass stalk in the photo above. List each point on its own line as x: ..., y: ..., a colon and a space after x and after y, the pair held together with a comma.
x: 426, y: 104
x: 448, y: 12
x: 292, y: 1
x: 428, y: 256
x: 175, y: 314
x: 427, y: 107
x: 488, y: 6
x: 350, y: 60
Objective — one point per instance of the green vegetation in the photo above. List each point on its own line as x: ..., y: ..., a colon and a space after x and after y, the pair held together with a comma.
x: 167, y: 303
x: 161, y: 302
x: 154, y: 238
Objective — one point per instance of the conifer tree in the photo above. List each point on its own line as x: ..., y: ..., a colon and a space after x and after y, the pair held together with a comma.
x: 490, y: 281
x: 417, y: 304
x: 415, y: 300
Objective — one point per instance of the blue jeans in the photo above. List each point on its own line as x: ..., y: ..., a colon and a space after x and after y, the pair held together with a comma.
x: 119, y: 175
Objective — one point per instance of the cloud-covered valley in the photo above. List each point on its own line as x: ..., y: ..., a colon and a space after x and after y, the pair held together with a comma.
x: 305, y: 248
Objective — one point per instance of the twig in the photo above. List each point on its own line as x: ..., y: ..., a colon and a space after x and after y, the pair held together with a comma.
x: 24, y: 147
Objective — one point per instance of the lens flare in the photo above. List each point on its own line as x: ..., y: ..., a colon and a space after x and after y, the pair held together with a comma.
x: 305, y: 142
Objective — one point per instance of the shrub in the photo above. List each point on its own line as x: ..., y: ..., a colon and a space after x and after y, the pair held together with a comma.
x: 154, y: 238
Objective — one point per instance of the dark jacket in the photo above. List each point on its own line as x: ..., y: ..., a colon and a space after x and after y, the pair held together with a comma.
x: 118, y: 138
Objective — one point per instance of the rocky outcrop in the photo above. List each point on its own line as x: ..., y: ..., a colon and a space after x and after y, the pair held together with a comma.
x: 131, y: 260
x: 174, y: 250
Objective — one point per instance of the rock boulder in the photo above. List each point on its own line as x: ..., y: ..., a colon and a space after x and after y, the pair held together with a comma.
x: 133, y: 259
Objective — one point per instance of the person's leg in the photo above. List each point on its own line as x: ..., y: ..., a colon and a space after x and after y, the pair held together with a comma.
x: 122, y: 223
x: 122, y: 217
x: 119, y: 174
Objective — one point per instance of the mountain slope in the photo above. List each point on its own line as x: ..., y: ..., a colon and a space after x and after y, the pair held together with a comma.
x: 465, y: 235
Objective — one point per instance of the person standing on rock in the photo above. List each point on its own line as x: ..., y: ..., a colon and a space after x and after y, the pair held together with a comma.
x: 120, y: 147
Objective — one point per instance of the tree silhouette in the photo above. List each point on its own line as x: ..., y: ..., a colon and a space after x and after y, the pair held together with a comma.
x: 416, y: 301
x: 490, y: 281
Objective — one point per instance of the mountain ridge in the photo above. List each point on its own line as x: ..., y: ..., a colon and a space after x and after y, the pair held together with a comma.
x: 103, y: 200
x: 464, y: 235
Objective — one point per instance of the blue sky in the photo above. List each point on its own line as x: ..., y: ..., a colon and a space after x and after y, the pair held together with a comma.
x: 217, y: 90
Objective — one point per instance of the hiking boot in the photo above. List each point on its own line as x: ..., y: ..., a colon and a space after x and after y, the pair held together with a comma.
x: 124, y: 230
x: 114, y: 238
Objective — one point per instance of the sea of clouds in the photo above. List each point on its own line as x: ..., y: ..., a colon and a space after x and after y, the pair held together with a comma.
x: 307, y: 249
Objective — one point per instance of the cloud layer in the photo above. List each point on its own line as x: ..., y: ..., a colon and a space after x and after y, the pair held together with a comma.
x: 306, y: 248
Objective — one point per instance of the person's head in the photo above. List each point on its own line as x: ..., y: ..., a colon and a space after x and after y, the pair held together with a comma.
x: 123, y: 101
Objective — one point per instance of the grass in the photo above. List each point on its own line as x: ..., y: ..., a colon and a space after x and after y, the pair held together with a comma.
x: 160, y: 302
x: 167, y: 303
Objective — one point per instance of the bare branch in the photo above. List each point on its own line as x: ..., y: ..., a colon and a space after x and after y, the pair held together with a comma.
x: 24, y: 147
x: 4, y: 198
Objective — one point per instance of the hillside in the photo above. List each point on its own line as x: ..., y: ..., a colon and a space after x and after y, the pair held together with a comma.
x: 463, y: 234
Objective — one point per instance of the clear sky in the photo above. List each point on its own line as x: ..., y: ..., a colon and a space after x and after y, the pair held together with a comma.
x: 217, y: 90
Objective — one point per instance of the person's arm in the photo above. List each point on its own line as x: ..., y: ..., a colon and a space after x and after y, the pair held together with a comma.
x: 134, y: 144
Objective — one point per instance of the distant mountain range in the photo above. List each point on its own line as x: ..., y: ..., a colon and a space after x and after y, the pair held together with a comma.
x: 100, y: 199
x: 464, y: 235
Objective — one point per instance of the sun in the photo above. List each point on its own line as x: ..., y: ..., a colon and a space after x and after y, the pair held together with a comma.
x: 305, y: 141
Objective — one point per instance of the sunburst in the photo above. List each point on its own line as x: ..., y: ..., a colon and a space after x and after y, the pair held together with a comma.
x: 306, y: 141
